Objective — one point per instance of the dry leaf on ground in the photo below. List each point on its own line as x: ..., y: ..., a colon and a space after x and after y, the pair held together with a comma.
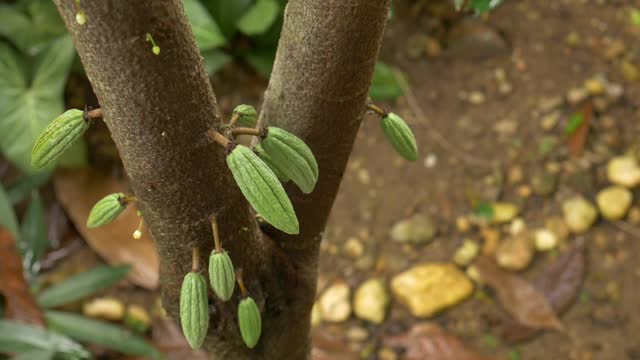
x: 78, y: 190
x: 578, y: 139
x: 21, y: 305
x: 327, y: 346
x: 520, y: 298
x: 560, y: 284
x: 427, y: 340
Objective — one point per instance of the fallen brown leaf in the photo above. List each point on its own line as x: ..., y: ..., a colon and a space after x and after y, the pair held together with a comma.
x: 327, y: 346
x: 520, y: 298
x: 560, y: 284
x: 427, y: 340
x: 577, y: 140
x: 78, y: 190
x: 20, y: 304
x: 168, y: 338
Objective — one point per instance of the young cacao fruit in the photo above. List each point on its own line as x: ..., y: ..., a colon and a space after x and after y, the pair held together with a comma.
x: 400, y: 136
x: 248, y: 115
x: 221, y: 274
x: 250, y: 322
x: 194, y: 309
x: 292, y: 156
x: 57, y: 137
x: 106, y: 210
x: 272, y: 165
x: 261, y: 188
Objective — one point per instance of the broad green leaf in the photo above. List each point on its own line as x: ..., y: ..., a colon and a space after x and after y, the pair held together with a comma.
x: 31, y: 24
x: 35, y: 354
x: 81, y: 285
x: 19, y: 338
x: 101, y: 333
x: 20, y: 189
x: 262, y: 61
x: 205, y: 29
x: 215, y: 60
x: 7, y: 216
x: 259, y: 17
x: 385, y: 85
x: 26, y: 110
x: 226, y: 13
x: 33, y: 236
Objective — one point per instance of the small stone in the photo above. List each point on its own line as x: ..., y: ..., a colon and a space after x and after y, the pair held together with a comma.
x: 417, y: 230
x: 545, y: 240
x: 137, y: 318
x: 431, y: 161
x: 104, y: 308
x: 573, y: 39
x: 466, y: 253
x: 579, y: 214
x: 363, y: 176
x: 506, y: 127
x: 476, y: 98
x: 353, y: 247
x: 463, y: 224
x: 614, y: 202
x: 334, y: 303
x: 430, y: 288
x: 371, y: 301
x: 629, y: 71
x: 503, y: 212
x: 432, y: 47
x: 594, y: 86
x: 473, y: 274
x: 558, y: 227
x: 624, y: 170
x: 516, y: 252
x: 548, y: 104
x: 549, y: 121
x: 515, y: 174
x: 577, y: 95
x: 357, y: 334
x: 387, y: 354
x: 517, y: 226
x: 505, y: 88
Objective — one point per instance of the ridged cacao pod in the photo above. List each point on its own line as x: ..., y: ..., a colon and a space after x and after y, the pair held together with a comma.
x: 106, y: 210
x: 57, y: 137
x: 221, y: 274
x: 250, y: 322
x: 194, y: 309
x: 400, y: 136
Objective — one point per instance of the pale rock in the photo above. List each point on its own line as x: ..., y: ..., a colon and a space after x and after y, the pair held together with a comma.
x: 417, y: 230
x: 137, y: 318
x: 503, y: 212
x: 371, y: 300
x: 624, y: 170
x: 473, y: 274
x: 334, y: 304
x: 594, y: 86
x: 545, y: 240
x: 579, y: 214
x: 515, y: 253
x: 430, y: 288
x: 614, y: 202
x: 466, y: 253
x: 353, y: 247
x: 558, y: 227
x: 463, y: 224
x: 517, y: 226
x: 104, y: 308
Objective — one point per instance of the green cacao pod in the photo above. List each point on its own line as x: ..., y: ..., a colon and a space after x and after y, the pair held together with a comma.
x: 221, y: 274
x: 57, y: 137
x: 400, y: 136
x: 261, y: 188
x: 248, y: 115
x: 194, y: 309
x: 270, y: 163
x: 106, y: 210
x: 250, y: 322
x: 293, y: 157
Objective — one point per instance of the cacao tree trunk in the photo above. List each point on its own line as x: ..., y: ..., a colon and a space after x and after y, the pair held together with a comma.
x: 158, y: 108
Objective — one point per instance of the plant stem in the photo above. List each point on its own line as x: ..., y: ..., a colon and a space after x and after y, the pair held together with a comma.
x: 243, y: 289
x: 217, y: 137
x: 248, y: 131
x: 234, y: 118
x: 378, y: 110
x: 95, y: 114
x: 195, y: 259
x: 216, y: 234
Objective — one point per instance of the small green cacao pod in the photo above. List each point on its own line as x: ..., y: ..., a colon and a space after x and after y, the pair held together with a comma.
x: 293, y: 157
x: 400, y: 136
x: 272, y: 165
x: 57, y: 137
x: 250, y: 322
x: 248, y: 115
x: 106, y: 210
x: 194, y: 309
x: 221, y: 274
x: 261, y: 188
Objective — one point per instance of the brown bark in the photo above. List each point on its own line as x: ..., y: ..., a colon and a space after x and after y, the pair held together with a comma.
x: 158, y: 109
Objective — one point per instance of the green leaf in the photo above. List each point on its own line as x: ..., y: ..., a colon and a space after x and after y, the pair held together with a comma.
x: 262, y: 61
x: 31, y: 24
x: 19, y: 338
x: 82, y: 285
x: 35, y: 354
x: 484, y: 210
x: 7, y: 216
x: 634, y: 16
x: 205, y: 29
x: 226, y: 13
x: 574, y: 123
x: 26, y: 110
x: 215, y: 60
x: 385, y: 85
x: 33, y: 236
x: 20, y: 189
x: 101, y: 333
x: 259, y: 17
x: 482, y: 6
